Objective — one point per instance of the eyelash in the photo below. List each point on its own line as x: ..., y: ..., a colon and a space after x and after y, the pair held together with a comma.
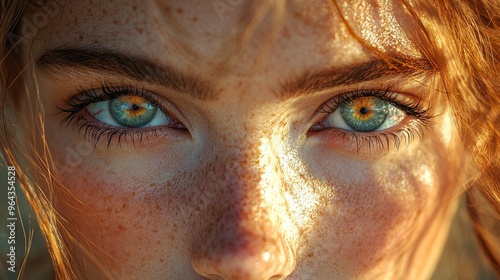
x: 94, y: 132
x: 420, y: 118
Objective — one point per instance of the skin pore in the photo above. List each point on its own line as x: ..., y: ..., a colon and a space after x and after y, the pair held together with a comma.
x: 248, y: 186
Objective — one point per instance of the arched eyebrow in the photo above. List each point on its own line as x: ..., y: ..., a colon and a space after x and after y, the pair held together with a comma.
x: 306, y: 83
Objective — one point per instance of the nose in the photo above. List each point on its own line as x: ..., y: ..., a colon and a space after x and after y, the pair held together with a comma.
x: 245, y: 255
x: 245, y: 236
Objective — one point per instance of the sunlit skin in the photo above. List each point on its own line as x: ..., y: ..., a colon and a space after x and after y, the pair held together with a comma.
x: 245, y: 189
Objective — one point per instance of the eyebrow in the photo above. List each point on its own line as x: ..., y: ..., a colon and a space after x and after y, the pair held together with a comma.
x: 135, y: 68
x: 311, y: 81
x: 305, y: 83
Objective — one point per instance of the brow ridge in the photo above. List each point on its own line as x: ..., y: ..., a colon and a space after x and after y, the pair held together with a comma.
x: 308, y: 82
x: 311, y: 81
x: 132, y: 67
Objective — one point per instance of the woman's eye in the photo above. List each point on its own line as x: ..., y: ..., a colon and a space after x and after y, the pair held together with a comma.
x: 364, y: 114
x: 130, y: 111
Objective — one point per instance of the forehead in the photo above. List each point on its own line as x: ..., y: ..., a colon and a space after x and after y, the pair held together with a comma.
x: 206, y: 34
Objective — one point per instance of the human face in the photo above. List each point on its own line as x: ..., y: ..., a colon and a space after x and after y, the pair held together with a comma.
x: 246, y: 172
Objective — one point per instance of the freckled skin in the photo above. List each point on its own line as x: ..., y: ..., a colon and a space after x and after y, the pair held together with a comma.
x: 249, y: 193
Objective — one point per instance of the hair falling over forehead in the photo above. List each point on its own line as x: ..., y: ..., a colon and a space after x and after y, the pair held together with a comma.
x: 461, y: 39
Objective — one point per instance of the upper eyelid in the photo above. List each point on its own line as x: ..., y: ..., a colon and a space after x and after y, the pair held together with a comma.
x: 413, y: 108
x: 389, y: 94
x: 83, y: 98
x: 111, y: 92
x: 347, y: 96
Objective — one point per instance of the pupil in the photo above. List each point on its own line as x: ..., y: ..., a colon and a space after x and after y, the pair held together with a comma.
x: 136, y: 107
x: 363, y: 110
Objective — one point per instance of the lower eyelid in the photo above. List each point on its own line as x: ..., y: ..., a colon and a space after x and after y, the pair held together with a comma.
x: 402, y: 135
x: 98, y: 133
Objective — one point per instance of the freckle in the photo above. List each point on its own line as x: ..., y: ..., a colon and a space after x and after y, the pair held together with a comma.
x: 116, y: 22
x: 140, y: 30
x: 166, y: 10
x: 162, y: 260
x: 195, y: 19
x: 286, y: 33
x: 134, y: 7
x: 104, y: 12
x: 180, y: 11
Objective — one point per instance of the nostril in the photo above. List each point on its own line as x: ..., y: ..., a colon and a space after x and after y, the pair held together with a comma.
x: 243, y: 265
x: 260, y: 260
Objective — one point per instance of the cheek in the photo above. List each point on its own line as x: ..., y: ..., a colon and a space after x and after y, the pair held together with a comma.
x: 140, y: 222
x: 374, y: 212
x: 123, y: 204
x: 362, y: 227
x: 123, y: 217
x: 369, y: 219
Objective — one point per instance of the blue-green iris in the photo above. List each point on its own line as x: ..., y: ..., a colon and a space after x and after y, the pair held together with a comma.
x: 132, y: 112
x: 364, y: 114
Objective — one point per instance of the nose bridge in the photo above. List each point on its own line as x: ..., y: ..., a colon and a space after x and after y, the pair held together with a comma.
x: 240, y: 170
x: 245, y: 236
x: 247, y: 179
